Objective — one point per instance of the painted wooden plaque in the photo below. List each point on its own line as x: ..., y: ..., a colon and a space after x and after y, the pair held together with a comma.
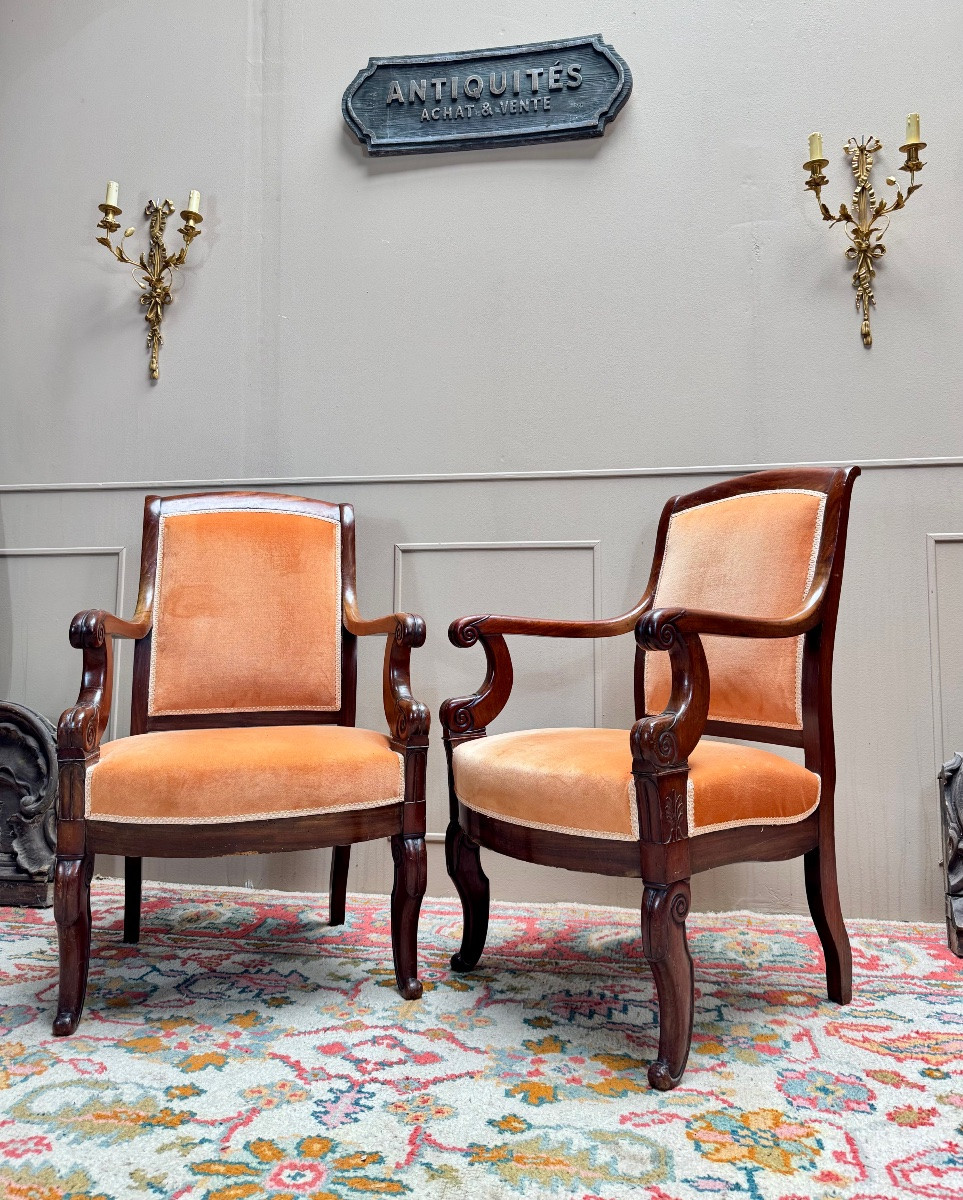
x: 545, y: 92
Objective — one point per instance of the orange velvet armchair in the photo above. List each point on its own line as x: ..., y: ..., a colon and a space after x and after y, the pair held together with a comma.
x: 734, y: 640
x: 243, y: 730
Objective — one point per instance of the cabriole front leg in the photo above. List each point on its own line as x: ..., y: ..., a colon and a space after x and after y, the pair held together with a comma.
x: 463, y: 859
x: 411, y: 880
x: 664, y: 910
x: 72, y: 914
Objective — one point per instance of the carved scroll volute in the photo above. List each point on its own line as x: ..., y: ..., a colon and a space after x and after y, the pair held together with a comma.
x: 467, y: 717
x: 408, y: 719
x: 663, y: 741
x: 658, y: 904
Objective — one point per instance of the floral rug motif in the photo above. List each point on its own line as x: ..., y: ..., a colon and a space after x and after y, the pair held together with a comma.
x: 245, y: 1049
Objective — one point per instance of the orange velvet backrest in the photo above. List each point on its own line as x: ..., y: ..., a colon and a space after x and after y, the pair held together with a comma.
x: 247, y: 606
x: 749, y: 555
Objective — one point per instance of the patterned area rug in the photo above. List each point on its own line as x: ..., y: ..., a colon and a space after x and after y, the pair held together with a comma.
x: 244, y: 1049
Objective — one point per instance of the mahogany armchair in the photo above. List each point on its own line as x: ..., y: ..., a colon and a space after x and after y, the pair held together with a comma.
x: 242, y: 717
x: 734, y: 639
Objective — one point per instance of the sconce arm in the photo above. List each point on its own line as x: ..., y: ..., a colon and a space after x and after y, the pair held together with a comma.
x: 118, y: 251
x: 844, y: 214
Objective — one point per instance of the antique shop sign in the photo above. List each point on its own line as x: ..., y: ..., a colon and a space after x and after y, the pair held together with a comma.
x: 546, y: 92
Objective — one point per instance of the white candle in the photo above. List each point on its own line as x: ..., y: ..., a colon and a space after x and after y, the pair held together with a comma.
x: 913, y: 128
x: 112, y: 192
x: 815, y: 146
x: 194, y: 202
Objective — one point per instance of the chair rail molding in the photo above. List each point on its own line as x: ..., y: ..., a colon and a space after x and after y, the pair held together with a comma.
x: 666, y: 472
x: 120, y: 554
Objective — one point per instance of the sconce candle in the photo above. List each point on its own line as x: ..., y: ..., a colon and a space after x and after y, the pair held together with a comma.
x: 194, y: 202
x: 815, y: 146
x: 912, y: 128
x: 112, y: 192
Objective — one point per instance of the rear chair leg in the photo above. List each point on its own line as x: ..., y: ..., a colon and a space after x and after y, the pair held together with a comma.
x: 822, y: 892
x: 664, y: 910
x: 463, y: 858
x: 411, y: 879
x: 132, y: 888
x: 72, y: 914
x: 338, y: 886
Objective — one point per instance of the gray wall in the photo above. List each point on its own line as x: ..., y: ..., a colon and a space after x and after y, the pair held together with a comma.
x: 506, y: 360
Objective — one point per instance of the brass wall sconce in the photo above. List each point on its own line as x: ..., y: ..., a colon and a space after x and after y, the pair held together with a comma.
x: 154, y: 271
x: 862, y: 224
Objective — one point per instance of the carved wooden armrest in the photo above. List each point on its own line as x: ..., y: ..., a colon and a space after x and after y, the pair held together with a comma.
x: 408, y: 719
x: 92, y: 627
x: 664, y: 741
x: 705, y: 621
x: 93, y: 631
x: 461, y: 629
x: 469, y: 715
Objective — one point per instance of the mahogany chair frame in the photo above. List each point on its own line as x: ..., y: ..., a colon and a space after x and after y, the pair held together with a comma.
x: 82, y: 728
x: 666, y: 856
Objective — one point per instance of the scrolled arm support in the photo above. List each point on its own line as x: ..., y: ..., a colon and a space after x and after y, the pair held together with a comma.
x: 408, y: 719
x: 469, y: 715
x: 664, y: 741
x: 93, y: 631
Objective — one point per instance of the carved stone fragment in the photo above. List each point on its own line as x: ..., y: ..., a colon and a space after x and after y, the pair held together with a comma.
x: 28, y: 802
x: 951, y: 811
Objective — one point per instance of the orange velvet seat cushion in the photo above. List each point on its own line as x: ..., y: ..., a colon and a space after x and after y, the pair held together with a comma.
x: 751, y: 556
x: 199, y: 776
x: 580, y: 781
